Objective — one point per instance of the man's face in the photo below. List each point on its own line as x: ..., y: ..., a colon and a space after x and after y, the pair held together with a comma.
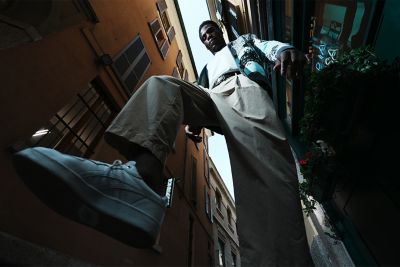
x: 212, y: 38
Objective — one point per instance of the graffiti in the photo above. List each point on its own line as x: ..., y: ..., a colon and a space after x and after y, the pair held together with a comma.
x: 325, y: 46
x: 326, y: 55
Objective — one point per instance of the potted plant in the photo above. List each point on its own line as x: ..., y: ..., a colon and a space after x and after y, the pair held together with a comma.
x: 319, y: 168
x: 341, y: 101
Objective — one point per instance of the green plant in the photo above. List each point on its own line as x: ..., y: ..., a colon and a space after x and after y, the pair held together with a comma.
x: 318, y: 169
x: 335, y: 86
x: 331, y: 98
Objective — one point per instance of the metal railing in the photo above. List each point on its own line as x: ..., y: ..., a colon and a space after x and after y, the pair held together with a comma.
x: 76, y: 128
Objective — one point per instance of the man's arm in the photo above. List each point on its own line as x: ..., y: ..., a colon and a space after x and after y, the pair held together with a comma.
x: 287, y: 59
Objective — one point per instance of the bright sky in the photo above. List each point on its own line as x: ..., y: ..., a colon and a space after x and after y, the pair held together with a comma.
x: 194, y: 12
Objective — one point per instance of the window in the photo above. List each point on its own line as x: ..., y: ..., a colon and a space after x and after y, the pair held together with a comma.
x: 77, y: 127
x: 221, y: 252
x: 131, y: 64
x: 230, y: 220
x: 162, y: 9
x: 205, y: 141
x: 186, y: 76
x: 206, y: 167
x: 229, y: 215
x: 233, y: 21
x: 288, y: 38
x: 338, y: 26
x: 207, y: 204
x: 218, y: 200
x: 218, y: 9
x: 233, y: 259
x: 288, y: 13
x: 159, y: 37
x: 193, y: 188
x: 179, y: 63
x: 207, y: 201
x: 175, y: 72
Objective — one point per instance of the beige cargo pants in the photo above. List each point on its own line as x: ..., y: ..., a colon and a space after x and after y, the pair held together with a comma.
x: 270, y: 221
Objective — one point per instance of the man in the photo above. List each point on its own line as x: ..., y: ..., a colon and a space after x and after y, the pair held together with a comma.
x: 116, y: 200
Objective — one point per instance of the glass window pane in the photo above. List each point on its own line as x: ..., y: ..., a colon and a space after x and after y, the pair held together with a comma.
x: 121, y: 64
x: 131, y: 81
x: 134, y: 50
x: 165, y: 20
x: 141, y: 66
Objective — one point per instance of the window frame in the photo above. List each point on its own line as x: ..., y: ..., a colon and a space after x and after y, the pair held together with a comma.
x: 179, y: 63
x: 234, y: 259
x: 206, y: 167
x: 229, y: 215
x: 129, y: 70
x: 207, y: 201
x: 78, y: 126
x: 158, y: 31
x: 221, y: 252
x: 175, y: 73
x: 162, y: 10
x: 218, y: 203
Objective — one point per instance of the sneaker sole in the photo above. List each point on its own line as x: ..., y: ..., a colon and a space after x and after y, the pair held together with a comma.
x: 68, y: 194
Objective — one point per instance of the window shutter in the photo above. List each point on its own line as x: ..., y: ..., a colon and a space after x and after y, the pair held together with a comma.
x: 175, y: 72
x: 161, y: 5
x: 171, y: 34
x: 131, y: 64
x: 234, y: 12
x: 206, y: 198
x: 179, y: 58
x: 179, y: 63
x: 164, y: 49
x: 159, y: 37
x: 211, y: 214
x: 155, y: 26
x: 206, y: 167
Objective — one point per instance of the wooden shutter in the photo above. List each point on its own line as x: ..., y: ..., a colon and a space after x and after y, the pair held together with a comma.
x: 159, y: 37
x: 161, y: 5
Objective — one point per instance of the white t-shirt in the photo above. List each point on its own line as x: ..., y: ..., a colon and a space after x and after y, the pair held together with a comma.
x: 221, y: 63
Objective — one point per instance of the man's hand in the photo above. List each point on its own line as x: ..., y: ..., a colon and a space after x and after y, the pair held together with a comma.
x: 291, y: 62
x: 193, y: 133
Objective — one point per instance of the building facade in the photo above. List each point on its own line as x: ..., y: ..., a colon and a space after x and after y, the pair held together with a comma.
x: 226, y: 240
x: 67, y: 68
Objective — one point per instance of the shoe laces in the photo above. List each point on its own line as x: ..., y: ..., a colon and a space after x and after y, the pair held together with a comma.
x: 118, y: 163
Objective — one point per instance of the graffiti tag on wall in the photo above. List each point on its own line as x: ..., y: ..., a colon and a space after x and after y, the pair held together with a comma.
x: 325, y: 46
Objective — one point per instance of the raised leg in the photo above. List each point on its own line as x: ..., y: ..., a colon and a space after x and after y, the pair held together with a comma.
x: 146, y: 128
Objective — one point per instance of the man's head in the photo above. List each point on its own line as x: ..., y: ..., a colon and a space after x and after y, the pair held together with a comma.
x: 211, y: 36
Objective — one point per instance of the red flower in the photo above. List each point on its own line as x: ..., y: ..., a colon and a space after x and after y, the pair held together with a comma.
x: 303, y: 162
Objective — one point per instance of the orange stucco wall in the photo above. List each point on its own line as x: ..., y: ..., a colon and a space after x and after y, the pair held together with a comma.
x: 39, y: 78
